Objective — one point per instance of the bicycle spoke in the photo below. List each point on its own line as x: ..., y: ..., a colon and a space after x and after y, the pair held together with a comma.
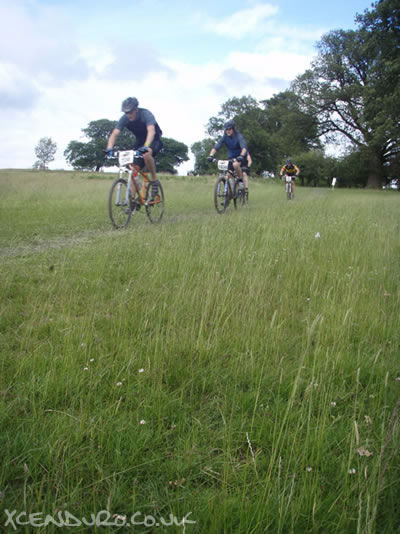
x: 221, y: 195
x: 154, y: 201
x: 119, y: 207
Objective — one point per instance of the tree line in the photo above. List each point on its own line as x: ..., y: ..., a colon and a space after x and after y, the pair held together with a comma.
x: 349, y: 99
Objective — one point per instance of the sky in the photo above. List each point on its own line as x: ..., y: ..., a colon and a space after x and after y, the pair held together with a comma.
x: 64, y: 63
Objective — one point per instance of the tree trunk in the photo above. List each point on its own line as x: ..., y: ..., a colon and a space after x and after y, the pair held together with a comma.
x: 375, y: 171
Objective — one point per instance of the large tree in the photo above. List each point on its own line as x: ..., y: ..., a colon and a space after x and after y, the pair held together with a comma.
x: 90, y: 155
x: 173, y: 154
x: 291, y: 130
x: 353, y: 87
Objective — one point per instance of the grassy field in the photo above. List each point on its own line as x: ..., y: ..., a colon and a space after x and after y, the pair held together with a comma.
x: 212, y: 374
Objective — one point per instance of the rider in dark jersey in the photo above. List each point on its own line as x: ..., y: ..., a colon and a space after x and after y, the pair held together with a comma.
x: 291, y: 170
x: 237, y: 151
x: 143, y: 125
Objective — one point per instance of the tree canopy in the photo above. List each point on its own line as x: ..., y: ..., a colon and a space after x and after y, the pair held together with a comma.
x: 352, y: 88
x: 45, y: 151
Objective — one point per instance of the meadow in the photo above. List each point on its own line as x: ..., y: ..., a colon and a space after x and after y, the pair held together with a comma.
x: 235, y: 373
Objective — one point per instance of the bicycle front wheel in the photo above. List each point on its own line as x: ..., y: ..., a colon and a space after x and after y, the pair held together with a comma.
x: 119, y: 207
x: 240, y: 195
x: 221, y: 195
x: 154, y: 202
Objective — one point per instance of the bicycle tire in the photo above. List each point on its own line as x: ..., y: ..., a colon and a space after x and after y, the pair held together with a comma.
x: 118, y: 209
x: 154, y: 207
x: 221, y: 197
x: 239, y: 194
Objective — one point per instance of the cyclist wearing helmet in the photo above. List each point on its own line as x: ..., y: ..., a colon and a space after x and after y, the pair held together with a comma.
x: 291, y: 170
x: 237, y: 151
x: 143, y: 125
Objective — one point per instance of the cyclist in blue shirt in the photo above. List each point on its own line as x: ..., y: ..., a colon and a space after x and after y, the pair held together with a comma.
x: 237, y: 151
x: 143, y: 125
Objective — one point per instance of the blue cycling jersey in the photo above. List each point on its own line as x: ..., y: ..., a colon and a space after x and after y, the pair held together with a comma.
x: 139, y: 126
x: 234, y: 143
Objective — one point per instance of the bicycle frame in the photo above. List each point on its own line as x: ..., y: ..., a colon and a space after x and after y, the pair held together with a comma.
x: 126, y: 160
x: 288, y: 186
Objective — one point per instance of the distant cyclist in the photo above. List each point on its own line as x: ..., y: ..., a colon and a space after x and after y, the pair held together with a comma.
x: 237, y: 151
x: 292, y: 170
x: 143, y: 125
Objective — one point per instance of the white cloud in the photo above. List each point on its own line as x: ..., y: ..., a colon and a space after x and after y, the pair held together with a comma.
x: 52, y: 84
x: 242, y: 22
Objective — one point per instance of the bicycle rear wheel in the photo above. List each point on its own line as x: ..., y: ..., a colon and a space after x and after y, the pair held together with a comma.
x: 154, y: 203
x: 119, y: 208
x: 221, y: 194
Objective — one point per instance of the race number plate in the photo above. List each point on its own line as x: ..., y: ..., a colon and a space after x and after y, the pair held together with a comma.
x: 288, y: 179
x: 223, y: 165
x: 125, y: 157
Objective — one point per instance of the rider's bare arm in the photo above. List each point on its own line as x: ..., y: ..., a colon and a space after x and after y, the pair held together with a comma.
x: 113, y: 137
x: 151, y: 132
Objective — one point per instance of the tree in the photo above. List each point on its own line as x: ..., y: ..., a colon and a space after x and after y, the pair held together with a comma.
x: 353, y: 88
x: 45, y: 151
x: 90, y: 155
x: 291, y: 130
x: 172, y: 155
x: 201, y: 150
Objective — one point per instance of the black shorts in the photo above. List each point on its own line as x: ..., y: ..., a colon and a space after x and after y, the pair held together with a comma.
x: 155, y: 146
x: 243, y: 165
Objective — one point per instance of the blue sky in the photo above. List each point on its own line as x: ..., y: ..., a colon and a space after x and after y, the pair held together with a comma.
x: 65, y: 63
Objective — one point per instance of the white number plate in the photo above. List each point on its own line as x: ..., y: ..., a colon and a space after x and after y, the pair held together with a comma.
x: 223, y: 165
x: 125, y: 157
x: 288, y: 179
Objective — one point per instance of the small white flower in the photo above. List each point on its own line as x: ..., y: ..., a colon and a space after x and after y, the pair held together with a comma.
x: 352, y: 471
x: 368, y: 420
x: 83, y: 345
x: 308, y: 299
x: 333, y: 404
x: 86, y: 368
x: 119, y: 384
x: 363, y: 452
x: 317, y: 235
x: 91, y: 360
x: 142, y: 422
x: 141, y: 370
x: 398, y: 379
x: 309, y: 469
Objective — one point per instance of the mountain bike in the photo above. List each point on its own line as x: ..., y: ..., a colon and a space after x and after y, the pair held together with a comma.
x: 122, y: 203
x: 228, y: 187
x: 289, y: 187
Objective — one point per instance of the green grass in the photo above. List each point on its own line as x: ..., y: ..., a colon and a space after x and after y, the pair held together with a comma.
x: 233, y: 367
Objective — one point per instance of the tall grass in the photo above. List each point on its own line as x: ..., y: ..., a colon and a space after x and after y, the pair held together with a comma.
x: 243, y: 369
